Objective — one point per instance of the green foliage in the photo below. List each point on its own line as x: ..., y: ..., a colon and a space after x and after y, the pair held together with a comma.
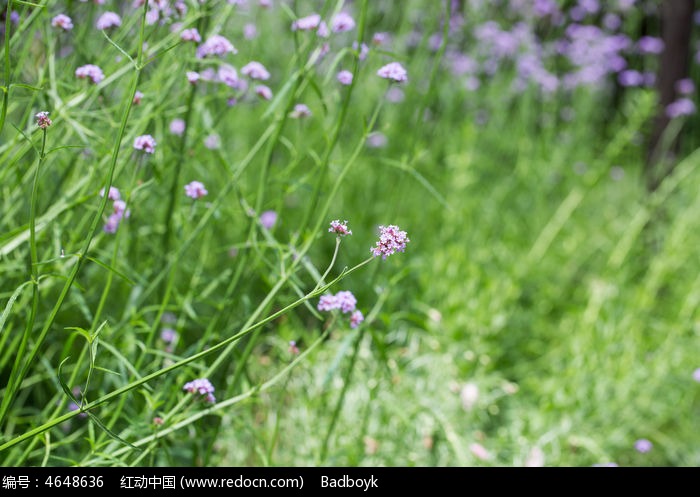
x: 546, y: 304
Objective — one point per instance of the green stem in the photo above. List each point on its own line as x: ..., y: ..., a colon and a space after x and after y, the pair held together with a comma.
x: 7, y: 68
x: 341, y: 398
x: 145, y: 379
x: 315, y: 196
x: 18, y: 373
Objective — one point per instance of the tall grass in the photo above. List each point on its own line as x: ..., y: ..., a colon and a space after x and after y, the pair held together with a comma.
x: 544, y: 311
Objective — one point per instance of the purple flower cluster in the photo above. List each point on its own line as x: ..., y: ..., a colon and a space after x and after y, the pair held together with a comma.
x: 393, y: 71
x: 391, y: 240
x: 344, y: 301
x: 62, y: 21
x: 108, y: 20
x: 90, y: 71
x: 195, y: 190
x: 215, y: 45
x: 146, y: 143
x: 119, y: 210
x: 202, y: 387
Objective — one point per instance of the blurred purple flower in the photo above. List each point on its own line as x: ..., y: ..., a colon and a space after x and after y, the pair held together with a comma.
x: 650, y: 45
x: 643, y: 445
x: 268, y: 219
x: 681, y: 107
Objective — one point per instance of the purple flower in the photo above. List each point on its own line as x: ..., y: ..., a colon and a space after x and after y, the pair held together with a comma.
x: 42, y: 119
x: 108, y: 20
x: 342, y: 22
x: 300, y: 110
x: 391, y: 240
x: 212, y: 141
x: 323, y: 31
x: 643, y: 445
x: 112, y: 195
x: 201, y: 386
x: 327, y: 303
x: 393, y: 71
x: 62, y: 21
x: 228, y: 76
x: 177, y: 126
x: 195, y: 190
x: 344, y: 77
x: 346, y: 301
x: 263, y: 92
x: 630, y: 78
x: 696, y: 375
x: 255, y: 70
x: 112, y: 224
x: 356, y: 318
x: 192, y: 77
x: 340, y: 229
x: 364, y: 50
x: 685, y: 86
x: 681, y: 107
x: 168, y: 335
x: 191, y: 35
x: 268, y: 219
x: 215, y: 45
x: 90, y: 71
x: 293, y: 348
x: 650, y: 45
x: 250, y: 31
x: 146, y: 143
x: 306, y: 23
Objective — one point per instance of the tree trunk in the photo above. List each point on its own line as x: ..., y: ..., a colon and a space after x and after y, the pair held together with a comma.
x: 676, y: 24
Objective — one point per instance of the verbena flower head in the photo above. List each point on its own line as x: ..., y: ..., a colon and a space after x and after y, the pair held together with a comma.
x: 343, y: 300
x: 268, y: 219
x: 195, y: 189
x: 212, y: 141
x: 190, y: 35
x: 202, y: 387
x: 391, y: 240
x: 263, y: 92
x: 90, y: 71
x: 681, y: 107
x: 138, y: 96
x: 215, y: 45
x: 685, y: 86
x: 62, y: 21
x: 300, y: 110
x: 168, y: 335
x: 393, y: 71
x: 696, y: 375
x: 193, y: 77
x: 108, y: 20
x: 342, y: 22
x: 643, y: 445
x: 344, y: 77
x: 293, y: 348
x: 340, y: 229
x: 356, y: 318
x: 112, y: 195
x: 346, y: 301
x: 307, y: 23
x: 42, y: 119
x: 255, y: 70
x: 146, y: 143
x: 327, y: 303
x: 177, y: 126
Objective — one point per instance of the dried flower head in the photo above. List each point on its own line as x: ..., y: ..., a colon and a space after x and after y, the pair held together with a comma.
x: 340, y: 229
x: 42, y: 120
